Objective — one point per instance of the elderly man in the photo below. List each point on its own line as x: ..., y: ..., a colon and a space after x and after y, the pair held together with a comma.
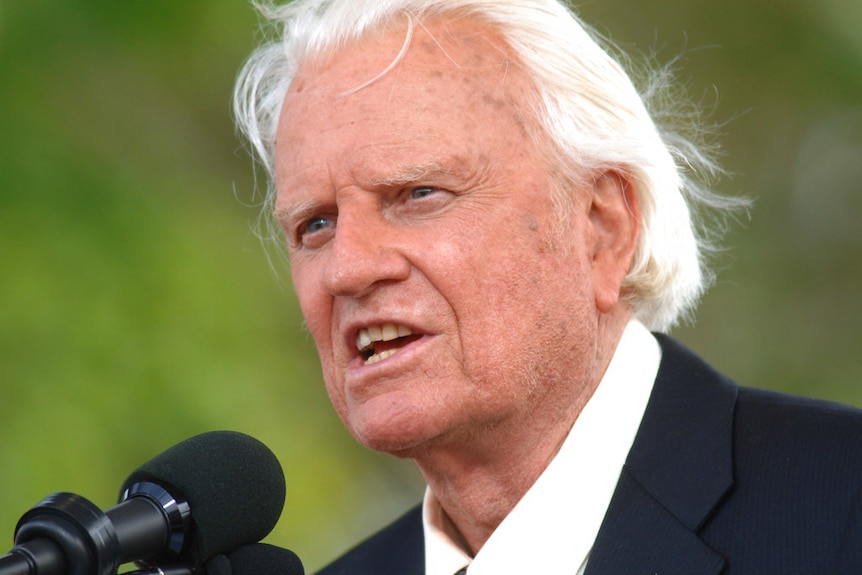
x: 487, y: 235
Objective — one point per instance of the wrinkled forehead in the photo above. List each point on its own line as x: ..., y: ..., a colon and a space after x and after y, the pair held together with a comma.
x: 447, y: 82
x: 445, y: 45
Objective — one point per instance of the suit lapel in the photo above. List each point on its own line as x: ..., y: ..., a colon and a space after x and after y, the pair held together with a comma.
x: 679, y: 467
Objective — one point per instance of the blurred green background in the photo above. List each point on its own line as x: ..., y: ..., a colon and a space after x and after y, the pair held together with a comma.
x: 137, y: 307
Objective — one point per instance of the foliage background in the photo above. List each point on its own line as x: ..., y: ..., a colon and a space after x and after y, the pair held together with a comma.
x: 137, y: 306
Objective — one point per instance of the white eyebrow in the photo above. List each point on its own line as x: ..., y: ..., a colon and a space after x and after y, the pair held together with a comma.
x: 293, y: 212
x: 410, y: 173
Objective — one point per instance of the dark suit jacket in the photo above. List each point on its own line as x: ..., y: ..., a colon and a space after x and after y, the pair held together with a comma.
x: 720, y: 479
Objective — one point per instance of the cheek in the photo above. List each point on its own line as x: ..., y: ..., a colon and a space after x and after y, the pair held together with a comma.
x: 308, y: 289
x: 316, y: 307
x: 317, y: 321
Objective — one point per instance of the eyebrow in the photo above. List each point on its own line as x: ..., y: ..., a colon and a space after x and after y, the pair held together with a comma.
x: 294, y: 212
x: 399, y: 176
x: 411, y: 173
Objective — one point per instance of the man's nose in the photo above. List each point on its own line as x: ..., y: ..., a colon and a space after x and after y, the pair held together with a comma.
x: 363, y: 255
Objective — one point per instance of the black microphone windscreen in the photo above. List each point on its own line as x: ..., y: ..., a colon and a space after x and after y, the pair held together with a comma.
x: 234, y: 486
x: 257, y: 559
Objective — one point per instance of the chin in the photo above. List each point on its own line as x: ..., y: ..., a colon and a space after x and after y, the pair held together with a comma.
x: 400, y: 434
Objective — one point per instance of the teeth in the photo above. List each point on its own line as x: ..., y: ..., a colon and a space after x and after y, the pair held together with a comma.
x: 389, y: 332
x: 380, y: 356
x: 386, y: 332
x: 363, y: 339
x: 375, y: 332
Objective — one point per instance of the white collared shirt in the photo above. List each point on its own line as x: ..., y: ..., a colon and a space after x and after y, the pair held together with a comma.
x: 551, y: 530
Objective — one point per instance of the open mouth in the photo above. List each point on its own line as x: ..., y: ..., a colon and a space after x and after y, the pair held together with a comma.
x: 376, y: 343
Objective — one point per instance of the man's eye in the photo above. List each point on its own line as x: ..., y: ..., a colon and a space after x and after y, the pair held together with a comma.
x: 316, y: 224
x: 421, y: 192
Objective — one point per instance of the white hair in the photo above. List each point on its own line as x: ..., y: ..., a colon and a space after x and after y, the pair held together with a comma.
x: 587, y: 109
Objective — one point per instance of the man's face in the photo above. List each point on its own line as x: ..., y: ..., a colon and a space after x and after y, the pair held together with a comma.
x: 417, y: 211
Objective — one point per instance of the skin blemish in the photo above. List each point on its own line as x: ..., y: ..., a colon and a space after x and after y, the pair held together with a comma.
x: 496, y: 103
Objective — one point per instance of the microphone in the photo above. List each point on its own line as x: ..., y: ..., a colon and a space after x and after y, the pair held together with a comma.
x: 205, y: 496
x: 256, y: 559
x: 251, y: 559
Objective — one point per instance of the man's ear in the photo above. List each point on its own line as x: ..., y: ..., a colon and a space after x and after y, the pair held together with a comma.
x: 615, y: 217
